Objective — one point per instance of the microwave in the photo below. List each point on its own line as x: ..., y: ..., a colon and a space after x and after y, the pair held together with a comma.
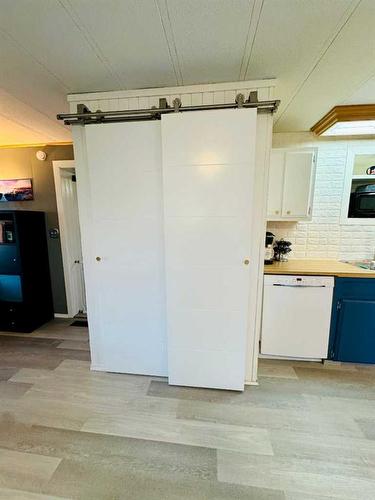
x: 362, y: 202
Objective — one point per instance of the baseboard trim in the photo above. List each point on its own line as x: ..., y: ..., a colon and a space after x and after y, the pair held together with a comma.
x: 59, y: 315
x: 97, y: 368
x: 248, y: 382
x: 290, y: 358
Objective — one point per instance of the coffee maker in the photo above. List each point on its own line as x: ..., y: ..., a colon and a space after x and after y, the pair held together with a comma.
x: 269, y: 253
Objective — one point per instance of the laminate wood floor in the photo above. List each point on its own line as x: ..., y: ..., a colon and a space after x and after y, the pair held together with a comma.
x: 307, y: 432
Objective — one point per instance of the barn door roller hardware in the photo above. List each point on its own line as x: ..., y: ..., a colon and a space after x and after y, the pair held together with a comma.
x: 86, y: 117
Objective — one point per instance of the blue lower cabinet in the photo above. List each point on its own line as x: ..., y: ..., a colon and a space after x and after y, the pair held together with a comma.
x: 352, y: 336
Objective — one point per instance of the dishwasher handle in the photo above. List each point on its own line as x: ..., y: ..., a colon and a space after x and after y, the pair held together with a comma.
x: 299, y: 286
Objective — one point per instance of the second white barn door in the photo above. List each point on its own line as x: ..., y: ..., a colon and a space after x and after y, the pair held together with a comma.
x: 208, y: 169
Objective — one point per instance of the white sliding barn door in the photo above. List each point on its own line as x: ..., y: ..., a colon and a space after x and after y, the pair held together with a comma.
x: 123, y: 243
x: 208, y: 170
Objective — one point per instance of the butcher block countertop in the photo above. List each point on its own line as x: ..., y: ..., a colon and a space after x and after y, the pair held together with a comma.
x: 318, y: 267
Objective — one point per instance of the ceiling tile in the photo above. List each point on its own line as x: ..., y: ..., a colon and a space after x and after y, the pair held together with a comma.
x: 344, y: 67
x: 290, y: 36
x: 365, y: 94
x: 130, y: 37
x: 29, y: 82
x: 15, y: 133
x: 49, y: 129
x: 210, y: 37
x: 46, y: 31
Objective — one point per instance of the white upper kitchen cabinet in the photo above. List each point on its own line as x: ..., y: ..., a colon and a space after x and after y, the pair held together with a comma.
x: 275, y: 184
x: 291, y: 184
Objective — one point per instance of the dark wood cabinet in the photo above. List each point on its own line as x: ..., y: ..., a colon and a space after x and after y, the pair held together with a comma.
x: 25, y: 285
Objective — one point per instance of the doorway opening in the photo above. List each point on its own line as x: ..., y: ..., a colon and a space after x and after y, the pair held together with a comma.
x: 70, y: 237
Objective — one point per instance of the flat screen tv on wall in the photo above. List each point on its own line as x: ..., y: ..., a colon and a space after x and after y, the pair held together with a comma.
x: 16, y: 190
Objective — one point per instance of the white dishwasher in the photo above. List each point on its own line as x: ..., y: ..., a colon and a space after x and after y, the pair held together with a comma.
x: 296, y: 316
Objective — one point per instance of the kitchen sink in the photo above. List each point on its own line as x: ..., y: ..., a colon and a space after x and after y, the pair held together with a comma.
x: 363, y: 264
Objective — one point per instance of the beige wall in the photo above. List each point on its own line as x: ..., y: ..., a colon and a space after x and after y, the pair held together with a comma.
x: 22, y: 163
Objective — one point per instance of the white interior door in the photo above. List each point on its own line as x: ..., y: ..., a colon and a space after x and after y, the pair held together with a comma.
x: 76, y: 234
x: 297, y: 183
x: 127, y: 284
x: 208, y: 168
x: 72, y: 237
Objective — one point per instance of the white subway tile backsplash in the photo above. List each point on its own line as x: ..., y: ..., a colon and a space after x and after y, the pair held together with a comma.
x: 300, y: 241
x: 325, y: 236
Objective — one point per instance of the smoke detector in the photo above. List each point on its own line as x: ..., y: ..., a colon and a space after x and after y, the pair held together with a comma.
x: 41, y: 155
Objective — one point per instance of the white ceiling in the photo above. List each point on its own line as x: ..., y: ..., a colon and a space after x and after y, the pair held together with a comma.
x: 321, y: 52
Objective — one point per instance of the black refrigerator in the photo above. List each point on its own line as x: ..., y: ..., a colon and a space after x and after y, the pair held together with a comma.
x: 25, y: 284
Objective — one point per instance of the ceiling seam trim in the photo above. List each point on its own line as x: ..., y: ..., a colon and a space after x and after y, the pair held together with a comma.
x: 170, y: 39
x: 90, y: 40
x: 35, y: 59
x: 246, y: 43
x: 31, y: 107
x: 27, y: 127
x: 251, y: 35
x: 366, y: 80
x: 328, y: 44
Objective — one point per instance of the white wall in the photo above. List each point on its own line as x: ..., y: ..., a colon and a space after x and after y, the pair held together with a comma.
x: 325, y: 236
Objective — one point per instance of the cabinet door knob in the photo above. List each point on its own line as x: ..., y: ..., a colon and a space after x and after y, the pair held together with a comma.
x: 246, y: 262
x: 288, y: 212
x: 276, y: 211
x: 98, y: 259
